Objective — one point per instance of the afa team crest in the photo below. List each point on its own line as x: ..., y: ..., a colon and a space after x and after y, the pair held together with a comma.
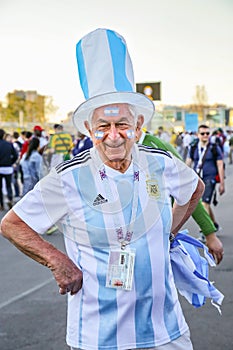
x: 152, y: 188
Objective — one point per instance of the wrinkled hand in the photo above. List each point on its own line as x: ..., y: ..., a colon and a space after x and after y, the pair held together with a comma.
x: 69, y: 278
x: 215, y: 247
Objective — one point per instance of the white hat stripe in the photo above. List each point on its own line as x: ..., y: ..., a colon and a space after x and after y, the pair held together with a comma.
x: 95, y: 75
x: 99, y: 70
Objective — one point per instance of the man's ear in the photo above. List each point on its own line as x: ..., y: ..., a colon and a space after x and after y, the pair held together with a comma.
x: 140, y: 122
x: 139, y: 125
x: 87, y: 126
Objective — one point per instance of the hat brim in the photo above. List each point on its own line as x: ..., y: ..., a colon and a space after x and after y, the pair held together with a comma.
x: 143, y: 106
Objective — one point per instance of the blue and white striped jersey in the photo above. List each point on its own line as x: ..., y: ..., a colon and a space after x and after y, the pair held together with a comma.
x: 75, y: 197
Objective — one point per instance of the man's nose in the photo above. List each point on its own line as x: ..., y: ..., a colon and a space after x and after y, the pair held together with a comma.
x: 113, y: 132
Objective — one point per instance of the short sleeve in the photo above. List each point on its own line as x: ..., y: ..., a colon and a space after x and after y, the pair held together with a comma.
x: 182, y: 180
x: 45, y: 205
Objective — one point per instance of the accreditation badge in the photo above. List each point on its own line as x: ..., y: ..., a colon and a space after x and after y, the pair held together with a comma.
x: 120, y: 269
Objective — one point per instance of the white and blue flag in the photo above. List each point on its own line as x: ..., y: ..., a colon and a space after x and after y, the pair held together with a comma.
x: 191, y: 271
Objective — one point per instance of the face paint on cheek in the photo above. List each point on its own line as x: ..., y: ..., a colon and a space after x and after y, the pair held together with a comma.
x: 99, y: 135
x: 130, y: 134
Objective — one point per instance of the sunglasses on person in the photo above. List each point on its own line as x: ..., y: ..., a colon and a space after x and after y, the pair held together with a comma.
x: 204, y: 133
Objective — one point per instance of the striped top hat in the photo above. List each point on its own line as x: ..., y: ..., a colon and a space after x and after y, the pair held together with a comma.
x: 106, y: 76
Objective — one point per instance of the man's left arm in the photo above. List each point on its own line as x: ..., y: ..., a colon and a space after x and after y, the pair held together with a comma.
x: 181, y: 213
x: 220, y: 166
x: 207, y: 227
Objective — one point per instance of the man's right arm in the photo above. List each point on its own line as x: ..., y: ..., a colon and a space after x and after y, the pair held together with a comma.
x: 182, y: 213
x: 207, y: 227
x: 66, y: 273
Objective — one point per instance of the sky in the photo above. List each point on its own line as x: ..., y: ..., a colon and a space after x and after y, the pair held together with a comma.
x: 181, y: 43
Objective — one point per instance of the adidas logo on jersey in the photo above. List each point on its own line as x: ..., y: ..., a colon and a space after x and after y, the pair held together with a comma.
x: 99, y: 200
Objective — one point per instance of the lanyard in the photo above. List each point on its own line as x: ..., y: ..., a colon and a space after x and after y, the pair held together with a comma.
x: 123, y: 237
x: 201, y: 154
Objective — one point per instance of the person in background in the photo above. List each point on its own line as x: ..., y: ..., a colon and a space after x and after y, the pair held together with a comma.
x: 162, y: 134
x: 179, y: 144
x: 38, y: 132
x: 31, y: 165
x: 27, y: 138
x: 200, y: 214
x: 222, y: 138
x: 113, y: 204
x: 16, y: 167
x: 21, y: 137
x: 230, y: 141
x: 18, y: 146
x: 82, y: 143
x: 173, y: 139
x: 59, y: 149
x: 8, y: 156
x: 187, y: 139
x: 60, y: 145
x: 207, y: 160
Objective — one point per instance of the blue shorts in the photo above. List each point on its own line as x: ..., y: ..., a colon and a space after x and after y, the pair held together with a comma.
x: 209, y: 190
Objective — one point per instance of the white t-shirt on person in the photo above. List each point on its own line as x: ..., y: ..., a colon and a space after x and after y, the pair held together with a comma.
x: 81, y: 197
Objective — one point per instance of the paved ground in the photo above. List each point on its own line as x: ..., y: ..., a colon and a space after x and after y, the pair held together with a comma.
x: 33, y: 314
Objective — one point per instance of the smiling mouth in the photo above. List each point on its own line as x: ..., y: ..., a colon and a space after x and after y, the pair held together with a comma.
x: 114, y: 146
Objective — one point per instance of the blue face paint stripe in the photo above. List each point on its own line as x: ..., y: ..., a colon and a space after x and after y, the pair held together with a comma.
x: 118, y: 54
x: 82, y: 70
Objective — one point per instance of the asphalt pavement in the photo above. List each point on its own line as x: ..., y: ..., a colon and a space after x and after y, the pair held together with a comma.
x: 33, y: 313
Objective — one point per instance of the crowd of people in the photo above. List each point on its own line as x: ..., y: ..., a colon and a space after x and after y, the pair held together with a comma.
x: 183, y: 140
x: 27, y: 156
x: 33, y: 153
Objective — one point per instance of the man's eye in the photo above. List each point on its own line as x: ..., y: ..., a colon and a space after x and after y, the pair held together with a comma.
x: 122, y: 125
x: 103, y: 126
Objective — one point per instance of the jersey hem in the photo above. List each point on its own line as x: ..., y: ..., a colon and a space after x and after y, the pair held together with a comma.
x: 130, y: 345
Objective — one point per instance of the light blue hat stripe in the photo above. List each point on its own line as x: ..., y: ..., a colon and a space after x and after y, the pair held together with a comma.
x: 82, y: 70
x: 118, y: 54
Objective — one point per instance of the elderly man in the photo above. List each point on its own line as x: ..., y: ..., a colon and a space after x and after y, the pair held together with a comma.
x: 113, y: 204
